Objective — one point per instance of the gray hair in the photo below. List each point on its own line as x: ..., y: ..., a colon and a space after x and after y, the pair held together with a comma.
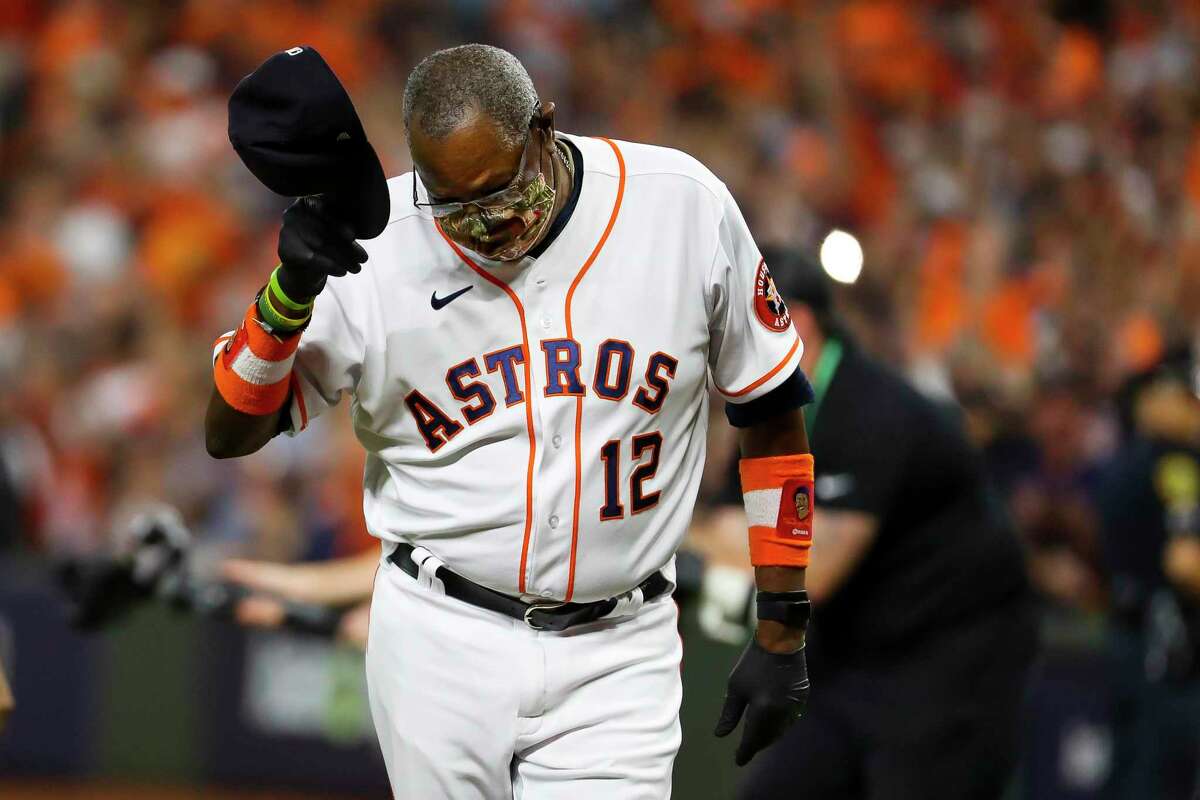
x: 450, y: 86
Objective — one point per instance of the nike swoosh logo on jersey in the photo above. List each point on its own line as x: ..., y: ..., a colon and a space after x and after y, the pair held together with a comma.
x: 440, y: 302
x: 829, y: 487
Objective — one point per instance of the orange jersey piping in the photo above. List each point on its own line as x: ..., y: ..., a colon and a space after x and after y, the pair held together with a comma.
x: 571, y: 335
x: 528, y: 399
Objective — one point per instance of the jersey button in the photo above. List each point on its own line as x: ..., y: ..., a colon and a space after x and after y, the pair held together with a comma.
x: 557, y: 440
x: 540, y: 282
x: 554, y: 520
x: 546, y: 323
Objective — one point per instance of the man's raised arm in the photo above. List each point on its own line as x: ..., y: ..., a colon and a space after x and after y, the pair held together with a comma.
x: 252, y: 366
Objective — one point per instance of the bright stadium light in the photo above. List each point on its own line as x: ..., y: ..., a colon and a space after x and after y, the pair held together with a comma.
x: 842, y: 256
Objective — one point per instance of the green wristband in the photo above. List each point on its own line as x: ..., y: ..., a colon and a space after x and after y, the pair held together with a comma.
x: 282, y: 295
x: 277, y: 321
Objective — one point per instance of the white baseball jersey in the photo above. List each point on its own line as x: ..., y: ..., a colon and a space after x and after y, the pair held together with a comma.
x: 540, y: 426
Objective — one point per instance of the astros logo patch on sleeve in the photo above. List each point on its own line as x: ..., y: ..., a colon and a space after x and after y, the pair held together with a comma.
x: 768, y: 302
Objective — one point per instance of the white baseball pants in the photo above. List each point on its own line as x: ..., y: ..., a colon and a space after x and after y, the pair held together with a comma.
x: 469, y: 704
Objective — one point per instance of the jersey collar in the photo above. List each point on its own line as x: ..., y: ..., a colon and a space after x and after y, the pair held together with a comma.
x: 564, y: 216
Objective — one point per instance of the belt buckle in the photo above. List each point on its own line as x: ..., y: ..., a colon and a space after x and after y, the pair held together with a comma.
x: 532, y: 607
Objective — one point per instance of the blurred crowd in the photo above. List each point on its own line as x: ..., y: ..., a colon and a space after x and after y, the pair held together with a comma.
x: 1024, y: 178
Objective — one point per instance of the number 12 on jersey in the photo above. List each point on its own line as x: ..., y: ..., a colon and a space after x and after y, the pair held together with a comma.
x: 639, y: 498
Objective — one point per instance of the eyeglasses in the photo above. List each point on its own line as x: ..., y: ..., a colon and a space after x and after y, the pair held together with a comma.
x: 510, y: 195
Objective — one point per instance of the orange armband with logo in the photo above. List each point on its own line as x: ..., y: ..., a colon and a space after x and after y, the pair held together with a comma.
x: 252, y: 368
x: 778, y: 492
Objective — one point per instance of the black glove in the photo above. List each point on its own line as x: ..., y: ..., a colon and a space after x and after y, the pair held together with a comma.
x: 312, y: 246
x: 775, y: 688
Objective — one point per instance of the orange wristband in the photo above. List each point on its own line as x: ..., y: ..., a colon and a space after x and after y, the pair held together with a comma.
x: 778, y: 492
x: 252, y: 368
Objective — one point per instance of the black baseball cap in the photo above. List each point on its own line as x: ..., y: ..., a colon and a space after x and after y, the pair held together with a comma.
x: 294, y: 126
x: 799, y: 277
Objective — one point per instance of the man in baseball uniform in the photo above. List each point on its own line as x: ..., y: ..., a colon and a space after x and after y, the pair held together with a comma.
x: 528, y: 347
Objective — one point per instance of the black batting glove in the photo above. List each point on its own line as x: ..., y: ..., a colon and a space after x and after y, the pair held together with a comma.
x: 772, y: 690
x: 312, y: 246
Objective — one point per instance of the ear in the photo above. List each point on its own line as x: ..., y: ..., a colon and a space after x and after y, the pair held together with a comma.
x: 545, y: 117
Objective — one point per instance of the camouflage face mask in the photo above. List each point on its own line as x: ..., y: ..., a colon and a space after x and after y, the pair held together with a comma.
x: 473, y: 225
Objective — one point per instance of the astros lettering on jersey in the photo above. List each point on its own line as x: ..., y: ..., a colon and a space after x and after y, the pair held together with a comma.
x: 540, y: 425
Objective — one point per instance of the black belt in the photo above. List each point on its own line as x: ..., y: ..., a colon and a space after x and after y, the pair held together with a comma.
x: 544, y: 616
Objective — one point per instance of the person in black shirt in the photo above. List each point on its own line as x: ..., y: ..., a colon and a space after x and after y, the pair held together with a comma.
x: 1151, y: 536
x: 922, y: 630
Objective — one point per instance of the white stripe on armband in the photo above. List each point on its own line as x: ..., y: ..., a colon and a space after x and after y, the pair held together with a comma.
x: 259, y: 371
x: 762, y: 506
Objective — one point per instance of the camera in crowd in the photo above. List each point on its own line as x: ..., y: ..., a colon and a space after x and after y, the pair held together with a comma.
x: 150, y: 561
